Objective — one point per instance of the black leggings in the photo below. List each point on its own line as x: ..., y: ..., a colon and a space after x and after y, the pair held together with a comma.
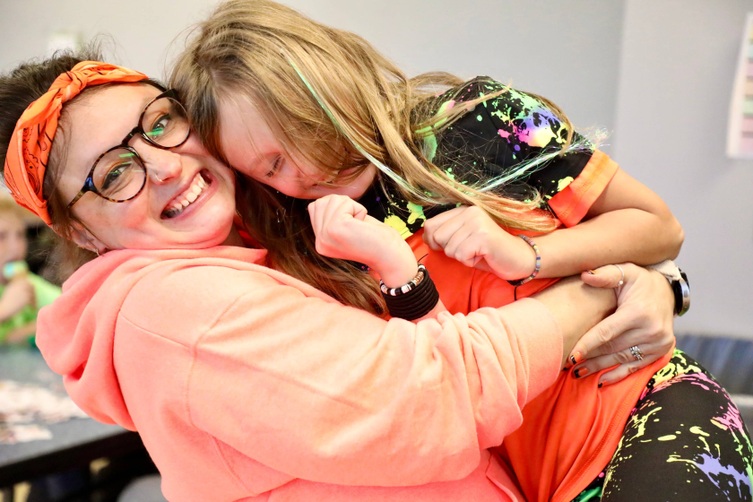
x: 685, y: 441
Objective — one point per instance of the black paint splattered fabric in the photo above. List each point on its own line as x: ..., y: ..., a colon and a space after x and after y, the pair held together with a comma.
x: 685, y: 426
x: 513, y: 136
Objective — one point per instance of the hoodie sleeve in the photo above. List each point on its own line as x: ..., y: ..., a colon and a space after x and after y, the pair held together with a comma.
x: 324, y: 392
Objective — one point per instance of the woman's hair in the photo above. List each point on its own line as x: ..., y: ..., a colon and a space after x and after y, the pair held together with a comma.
x: 18, y: 89
x: 334, y: 101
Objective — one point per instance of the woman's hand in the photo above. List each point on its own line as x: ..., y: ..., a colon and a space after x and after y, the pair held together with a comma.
x: 638, y: 333
x: 344, y: 230
x: 469, y: 235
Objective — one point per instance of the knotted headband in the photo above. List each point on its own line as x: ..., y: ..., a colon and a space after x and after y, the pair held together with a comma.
x: 30, y: 144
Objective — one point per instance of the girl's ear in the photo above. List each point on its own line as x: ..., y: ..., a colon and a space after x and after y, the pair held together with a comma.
x: 85, y: 239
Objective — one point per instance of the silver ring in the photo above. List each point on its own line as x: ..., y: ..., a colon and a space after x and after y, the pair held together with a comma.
x: 622, y: 276
x: 636, y: 352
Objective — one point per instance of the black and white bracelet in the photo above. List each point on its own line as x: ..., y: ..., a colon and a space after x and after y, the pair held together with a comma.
x: 414, y: 299
x: 407, y: 287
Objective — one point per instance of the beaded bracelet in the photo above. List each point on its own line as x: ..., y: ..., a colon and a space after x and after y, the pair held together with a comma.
x: 413, y: 300
x: 405, y: 288
x: 537, y: 265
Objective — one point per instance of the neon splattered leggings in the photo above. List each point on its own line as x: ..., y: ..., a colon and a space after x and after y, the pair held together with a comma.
x: 685, y: 441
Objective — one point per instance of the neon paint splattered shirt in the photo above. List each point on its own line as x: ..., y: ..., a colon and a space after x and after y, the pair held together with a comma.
x: 512, y: 140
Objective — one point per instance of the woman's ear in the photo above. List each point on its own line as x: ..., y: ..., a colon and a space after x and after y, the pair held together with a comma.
x: 85, y: 239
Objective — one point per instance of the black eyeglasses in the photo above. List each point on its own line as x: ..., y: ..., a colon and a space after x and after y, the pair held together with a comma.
x: 119, y: 174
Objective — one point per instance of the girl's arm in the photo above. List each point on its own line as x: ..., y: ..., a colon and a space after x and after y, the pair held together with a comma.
x: 627, y: 222
x: 345, y: 231
x: 469, y: 235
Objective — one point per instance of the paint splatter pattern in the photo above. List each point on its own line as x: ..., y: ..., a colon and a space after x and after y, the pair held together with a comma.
x: 686, y: 427
x: 510, y: 144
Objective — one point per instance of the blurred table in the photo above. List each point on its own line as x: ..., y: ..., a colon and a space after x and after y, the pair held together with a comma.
x: 75, y: 442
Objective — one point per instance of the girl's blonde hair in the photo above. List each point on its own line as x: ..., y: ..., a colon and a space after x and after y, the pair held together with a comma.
x: 335, y: 102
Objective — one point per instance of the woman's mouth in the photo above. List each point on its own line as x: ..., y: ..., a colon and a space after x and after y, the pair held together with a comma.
x: 188, y: 197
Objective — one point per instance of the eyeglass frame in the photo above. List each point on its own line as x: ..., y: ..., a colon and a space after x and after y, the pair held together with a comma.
x: 89, y: 185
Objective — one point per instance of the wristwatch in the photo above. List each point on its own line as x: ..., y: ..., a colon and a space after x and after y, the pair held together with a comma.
x: 679, y: 282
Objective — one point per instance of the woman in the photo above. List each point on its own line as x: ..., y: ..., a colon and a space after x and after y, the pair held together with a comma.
x: 314, y: 111
x: 243, y: 382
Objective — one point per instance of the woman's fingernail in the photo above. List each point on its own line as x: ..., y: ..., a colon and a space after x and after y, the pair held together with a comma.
x: 591, y: 272
x: 576, y: 357
x: 580, y: 372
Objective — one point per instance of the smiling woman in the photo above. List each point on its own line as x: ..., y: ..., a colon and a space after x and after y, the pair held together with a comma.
x: 122, y: 210
x: 162, y: 211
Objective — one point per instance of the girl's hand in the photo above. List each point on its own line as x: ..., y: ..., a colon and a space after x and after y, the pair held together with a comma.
x: 643, y: 320
x: 344, y: 230
x: 469, y: 235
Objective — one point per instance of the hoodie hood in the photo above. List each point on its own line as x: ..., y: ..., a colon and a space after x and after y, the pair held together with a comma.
x: 76, y: 332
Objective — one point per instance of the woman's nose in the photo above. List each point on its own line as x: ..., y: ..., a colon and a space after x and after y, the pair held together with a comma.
x: 161, y: 164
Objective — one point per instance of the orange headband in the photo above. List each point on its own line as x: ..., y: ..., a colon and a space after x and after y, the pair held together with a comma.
x: 30, y: 144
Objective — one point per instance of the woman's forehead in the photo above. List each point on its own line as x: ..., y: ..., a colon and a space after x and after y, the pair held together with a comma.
x: 98, y: 117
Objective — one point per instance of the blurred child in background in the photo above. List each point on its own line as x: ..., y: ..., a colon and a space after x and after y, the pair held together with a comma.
x: 22, y: 293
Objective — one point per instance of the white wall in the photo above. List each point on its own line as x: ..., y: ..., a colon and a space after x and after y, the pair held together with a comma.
x: 538, y: 46
x: 656, y: 74
x: 676, y: 72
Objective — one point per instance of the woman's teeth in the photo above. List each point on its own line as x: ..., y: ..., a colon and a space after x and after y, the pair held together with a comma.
x: 183, y: 200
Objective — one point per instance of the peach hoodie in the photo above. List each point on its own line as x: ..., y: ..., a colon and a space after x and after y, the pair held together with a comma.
x: 246, y: 384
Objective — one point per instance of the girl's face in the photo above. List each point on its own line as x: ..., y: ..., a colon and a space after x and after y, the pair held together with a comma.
x: 13, y: 242
x: 188, y: 200
x: 251, y: 147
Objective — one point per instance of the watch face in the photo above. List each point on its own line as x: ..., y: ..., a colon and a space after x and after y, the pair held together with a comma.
x: 681, y: 289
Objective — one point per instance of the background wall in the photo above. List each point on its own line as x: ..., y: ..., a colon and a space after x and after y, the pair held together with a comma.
x: 677, y: 65
x: 656, y: 75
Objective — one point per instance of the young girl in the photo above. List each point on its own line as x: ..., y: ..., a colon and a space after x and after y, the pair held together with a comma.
x: 312, y: 111
x: 245, y: 383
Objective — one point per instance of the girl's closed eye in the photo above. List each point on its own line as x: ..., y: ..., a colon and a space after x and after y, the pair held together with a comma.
x: 275, y: 167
